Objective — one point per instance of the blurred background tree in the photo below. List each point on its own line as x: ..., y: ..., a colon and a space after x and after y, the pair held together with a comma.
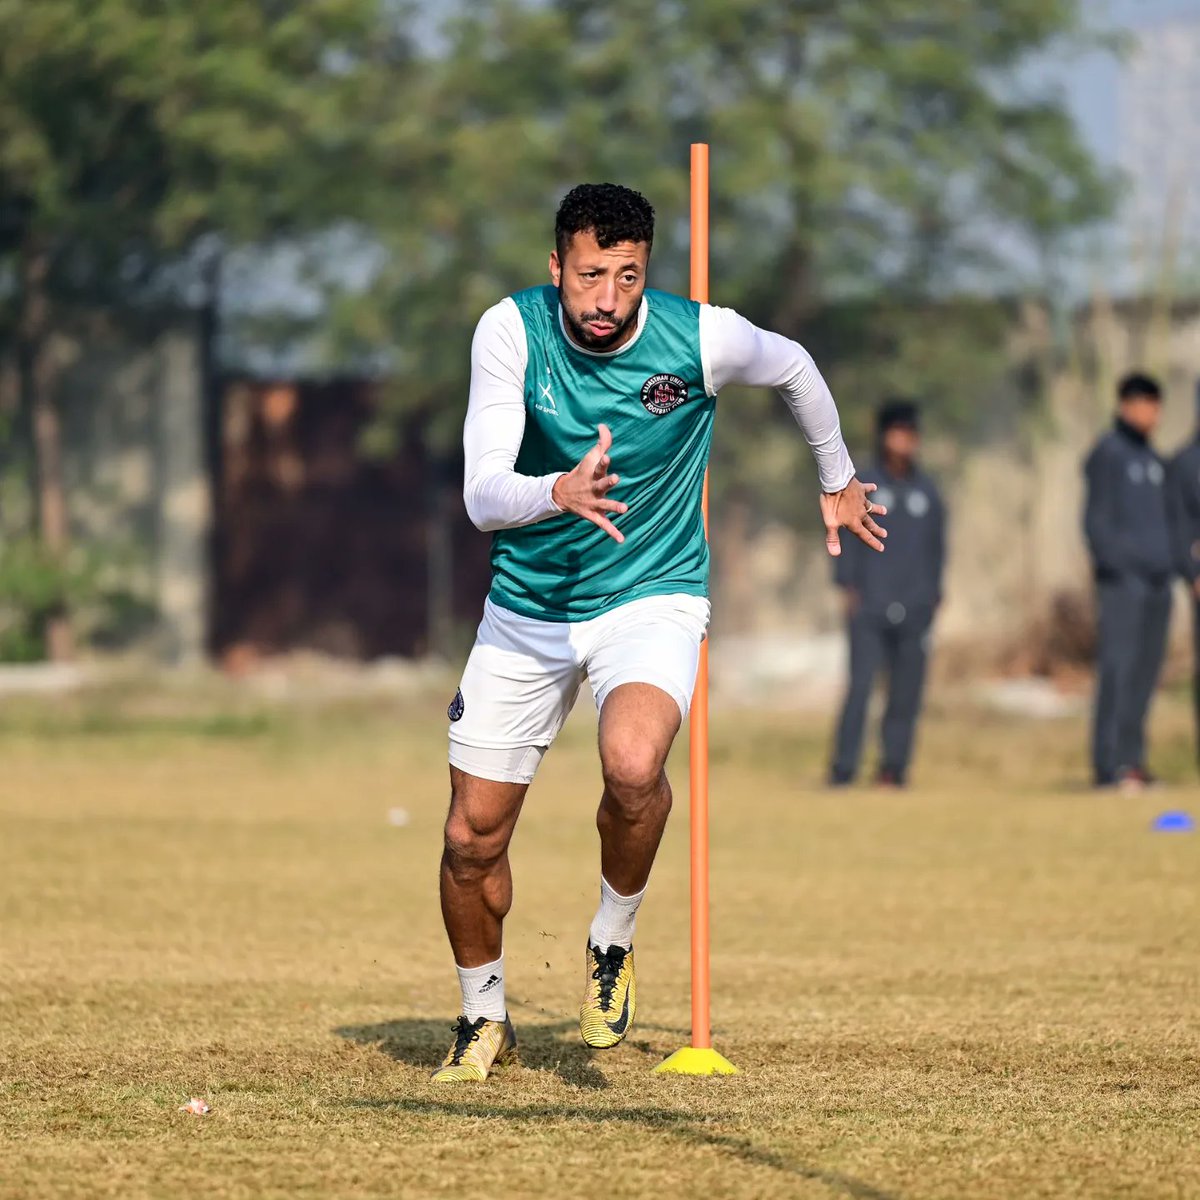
x: 878, y: 168
x: 138, y: 137
x: 889, y: 181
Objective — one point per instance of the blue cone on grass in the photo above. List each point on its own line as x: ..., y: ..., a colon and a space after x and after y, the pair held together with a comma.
x: 1174, y: 822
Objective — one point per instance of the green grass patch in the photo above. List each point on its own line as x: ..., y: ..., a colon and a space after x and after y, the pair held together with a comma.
x: 983, y: 986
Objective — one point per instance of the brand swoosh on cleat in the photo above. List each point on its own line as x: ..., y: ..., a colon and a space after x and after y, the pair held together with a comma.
x: 622, y: 1022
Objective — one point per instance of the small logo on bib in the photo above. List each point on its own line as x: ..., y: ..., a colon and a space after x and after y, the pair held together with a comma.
x: 457, y: 707
x: 545, y: 402
x: 662, y: 394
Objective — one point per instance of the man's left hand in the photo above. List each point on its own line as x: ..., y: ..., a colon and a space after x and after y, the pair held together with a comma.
x: 851, y: 509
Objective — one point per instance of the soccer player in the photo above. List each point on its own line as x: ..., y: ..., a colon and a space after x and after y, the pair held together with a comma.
x: 1129, y: 537
x: 587, y: 435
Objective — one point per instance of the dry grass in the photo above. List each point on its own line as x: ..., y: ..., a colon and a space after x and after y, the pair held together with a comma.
x: 983, y: 988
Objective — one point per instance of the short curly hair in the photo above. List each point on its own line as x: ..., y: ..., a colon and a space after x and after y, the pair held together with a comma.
x: 1137, y: 384
x: 609, y: 211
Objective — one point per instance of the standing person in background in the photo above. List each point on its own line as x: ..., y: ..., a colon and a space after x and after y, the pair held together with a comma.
x: 1129, y: 538
x: 1183, y: 507
x: 890, y: 604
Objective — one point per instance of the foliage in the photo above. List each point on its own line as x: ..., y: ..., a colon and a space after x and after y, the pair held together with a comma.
x: 34, y: 585
x: 873, y: 164
x: 92, y: 581
x: 140, y: 141
x: 131, y: 129
x: 870, y: 162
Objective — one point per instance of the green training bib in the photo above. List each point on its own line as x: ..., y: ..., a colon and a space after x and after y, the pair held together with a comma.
x: 651, y: 394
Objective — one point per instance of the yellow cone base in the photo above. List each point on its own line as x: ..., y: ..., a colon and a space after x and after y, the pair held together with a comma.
x: 691, y: 1061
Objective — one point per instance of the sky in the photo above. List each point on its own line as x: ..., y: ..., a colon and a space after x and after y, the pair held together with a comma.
x: 1093, y: 84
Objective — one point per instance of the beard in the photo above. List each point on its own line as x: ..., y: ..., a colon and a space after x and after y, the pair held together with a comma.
x: 577, y: 325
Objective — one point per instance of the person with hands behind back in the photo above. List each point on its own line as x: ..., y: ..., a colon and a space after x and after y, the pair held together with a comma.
x: 1129, y: 539
x: 1183, y: 507
x: 890, y: 601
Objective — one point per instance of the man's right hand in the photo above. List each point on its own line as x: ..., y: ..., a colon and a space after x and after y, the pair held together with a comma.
x: 584, y: 491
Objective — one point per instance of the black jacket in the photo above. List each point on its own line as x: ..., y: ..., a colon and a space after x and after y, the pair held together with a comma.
x: 1125, y: 517
x: 909, y: 571
x: 1183, y: 507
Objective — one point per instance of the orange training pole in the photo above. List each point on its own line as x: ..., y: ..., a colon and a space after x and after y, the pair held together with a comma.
x: 701, y: 995
x: 699, y: 1058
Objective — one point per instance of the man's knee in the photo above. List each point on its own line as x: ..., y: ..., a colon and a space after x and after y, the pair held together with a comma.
x: 472, y: 847
x: 633, y: 774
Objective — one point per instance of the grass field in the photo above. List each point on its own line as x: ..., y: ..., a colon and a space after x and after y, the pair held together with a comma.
x: 985, y: 987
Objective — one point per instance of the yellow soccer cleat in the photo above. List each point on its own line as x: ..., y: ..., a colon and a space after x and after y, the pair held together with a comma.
x: 610, y: 997
x: 479, y: 1047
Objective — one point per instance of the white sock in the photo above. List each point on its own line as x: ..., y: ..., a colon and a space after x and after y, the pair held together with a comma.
x: 483, y: 990
x: 615, y: 918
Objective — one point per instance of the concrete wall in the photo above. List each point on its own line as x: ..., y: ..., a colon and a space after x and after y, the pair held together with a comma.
x: 136, y: 474
x: 1014, y: 503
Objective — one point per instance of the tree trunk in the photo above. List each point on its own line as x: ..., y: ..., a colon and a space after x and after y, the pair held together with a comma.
x: 184, y: 502
x: 214, y: 441
x: 791, y: 302
x: 734, y: 590
x: 38, y: 377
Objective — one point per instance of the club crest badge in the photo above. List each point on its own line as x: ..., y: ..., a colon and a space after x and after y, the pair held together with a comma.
x: 457, y: 707
x: 662, y: 394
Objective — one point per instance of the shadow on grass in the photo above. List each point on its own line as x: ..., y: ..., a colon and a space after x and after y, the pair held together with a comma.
x: 543, y: 1047
x: 668, y: 1121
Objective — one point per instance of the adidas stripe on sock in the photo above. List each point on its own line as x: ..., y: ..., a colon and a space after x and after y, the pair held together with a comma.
x: 483, y: 990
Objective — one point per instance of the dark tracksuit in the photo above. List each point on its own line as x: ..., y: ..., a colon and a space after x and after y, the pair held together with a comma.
x: 898, y: 592
x: 1125, y: 520
x: 1183, y: 505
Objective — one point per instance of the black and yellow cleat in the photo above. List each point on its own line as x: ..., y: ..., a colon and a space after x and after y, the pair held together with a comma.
x: 479, y: 1047
x: 610, y: 998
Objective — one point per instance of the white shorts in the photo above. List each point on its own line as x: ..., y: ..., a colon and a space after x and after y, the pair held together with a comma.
x: 523, y: 676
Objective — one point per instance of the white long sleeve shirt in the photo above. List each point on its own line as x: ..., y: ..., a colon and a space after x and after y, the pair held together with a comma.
x: 733, y: 351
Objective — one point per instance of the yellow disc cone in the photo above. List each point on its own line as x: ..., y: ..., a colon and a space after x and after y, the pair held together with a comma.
x: 692, y: 1061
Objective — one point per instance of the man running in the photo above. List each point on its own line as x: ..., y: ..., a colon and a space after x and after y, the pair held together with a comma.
x: 587, y: 436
